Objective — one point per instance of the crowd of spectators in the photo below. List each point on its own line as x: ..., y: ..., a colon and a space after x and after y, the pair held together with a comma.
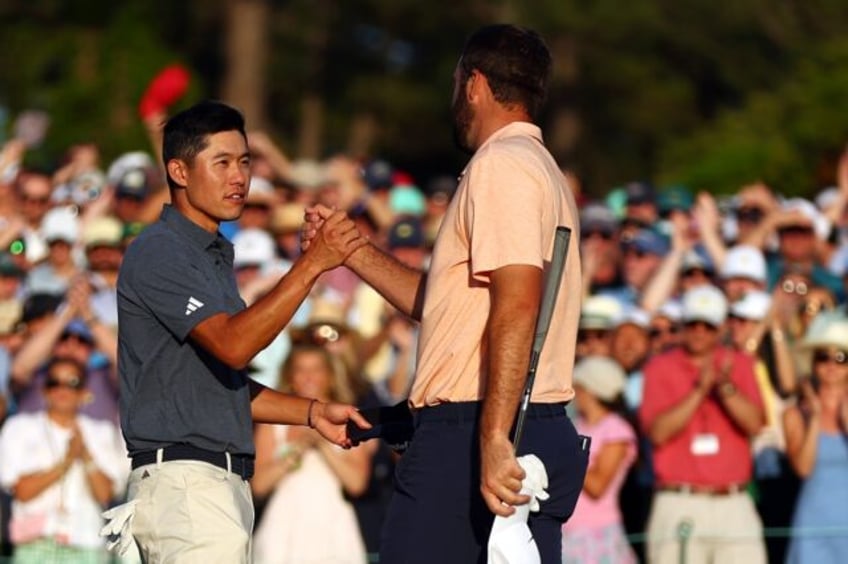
x: 710, y: 372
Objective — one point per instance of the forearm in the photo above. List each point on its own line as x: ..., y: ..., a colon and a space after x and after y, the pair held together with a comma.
x: 509, y: 339
x: 715, y: 247
x: 257, y: 325
x: 350, y: 467
x: 760, y: 234
x: 783, y: 362
x: 99, y: 483
x: 662, y: 283
x: 33, y: 485
x: 401, y: 285
x: 271, y: 406
x: 744, y: 413
x: 674, y: 420
x: 804, y: 459
x: 38, y: 348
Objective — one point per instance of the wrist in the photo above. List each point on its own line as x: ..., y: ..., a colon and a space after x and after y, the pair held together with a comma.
x: 727, y: 389
x: 311, y: 412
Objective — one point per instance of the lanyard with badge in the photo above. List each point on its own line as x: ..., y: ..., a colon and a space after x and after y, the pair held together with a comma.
x: 64, y: 520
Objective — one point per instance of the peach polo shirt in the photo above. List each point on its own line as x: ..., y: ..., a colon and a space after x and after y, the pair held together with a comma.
x: 510, y: 199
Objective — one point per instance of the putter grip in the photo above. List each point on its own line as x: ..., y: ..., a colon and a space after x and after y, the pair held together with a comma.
x: 551, y: 290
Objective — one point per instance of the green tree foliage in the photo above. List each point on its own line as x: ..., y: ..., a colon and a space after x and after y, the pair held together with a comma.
x: 680, y: 91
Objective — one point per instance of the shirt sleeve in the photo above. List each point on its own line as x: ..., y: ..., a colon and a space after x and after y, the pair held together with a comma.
x: 504, y: 213
x: 175, y: 288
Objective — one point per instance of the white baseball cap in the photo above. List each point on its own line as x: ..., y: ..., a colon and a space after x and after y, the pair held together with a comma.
x: 705, y: 303
x: 601, y: 376
x: 819, y: 223
x: 634, y: 316
x: 744, y: 261
x: 753, y: 305
x: 252, y: 247
x: 600, y: 312
x: 60, y: 224
x: 672, y: 309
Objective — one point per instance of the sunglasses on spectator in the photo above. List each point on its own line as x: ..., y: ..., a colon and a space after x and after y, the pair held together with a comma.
x: 41, y: 200
x: 839, y: 357
x: 749, y: 215
x: 695, y: 272
x: 700, y: 324
x: 792, y: 287
x: 600, y: 234
x: 795, y: 230
x: 657, y: 332
x: 633, y: 222
x: 591, y: 335
x: 54, y: 382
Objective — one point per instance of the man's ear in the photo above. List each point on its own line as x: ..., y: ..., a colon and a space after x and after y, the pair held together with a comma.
x: 476, y: 86
x: 178, y: 171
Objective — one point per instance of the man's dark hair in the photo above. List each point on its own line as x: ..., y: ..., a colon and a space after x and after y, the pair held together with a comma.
x: 514, y: 60
x: 186, y: 134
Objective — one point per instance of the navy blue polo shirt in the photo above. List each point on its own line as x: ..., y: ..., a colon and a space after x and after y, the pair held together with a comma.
x: 173, y: 276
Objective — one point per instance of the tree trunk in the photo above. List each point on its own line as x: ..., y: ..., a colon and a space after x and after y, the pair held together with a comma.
x: 246, y: 56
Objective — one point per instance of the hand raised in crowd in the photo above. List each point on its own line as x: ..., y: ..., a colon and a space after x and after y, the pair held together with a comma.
x: 500, y: 476
x: 335, y: 240
x: 76, y: 447
x: 330, y: 420
x: 706, y: 213
x: 682, y: 236
x: 759, y: 195
x: 79, y: 296
x: 809, y: 399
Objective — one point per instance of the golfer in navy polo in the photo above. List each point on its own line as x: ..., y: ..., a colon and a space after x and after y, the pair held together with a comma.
x: 185, y: 337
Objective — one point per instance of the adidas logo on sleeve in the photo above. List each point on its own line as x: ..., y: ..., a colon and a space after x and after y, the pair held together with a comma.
x: 193, y: 305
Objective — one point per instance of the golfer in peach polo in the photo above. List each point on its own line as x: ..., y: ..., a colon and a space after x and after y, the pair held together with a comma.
x: 478, y: 306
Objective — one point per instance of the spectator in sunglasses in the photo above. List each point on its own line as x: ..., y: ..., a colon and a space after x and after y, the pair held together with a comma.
x: 816, y: 434
x: 62, y: 468
x: 599, y: 250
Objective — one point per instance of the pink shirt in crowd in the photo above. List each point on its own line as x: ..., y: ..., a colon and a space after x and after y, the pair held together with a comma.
x: 604, y: 511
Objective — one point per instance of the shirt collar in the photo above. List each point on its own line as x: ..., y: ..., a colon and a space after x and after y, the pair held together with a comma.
x: 190, y: 230
x: 512, y: 129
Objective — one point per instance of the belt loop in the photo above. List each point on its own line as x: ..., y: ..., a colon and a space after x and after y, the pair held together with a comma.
x: 229, y: 462
x: 159, y: 454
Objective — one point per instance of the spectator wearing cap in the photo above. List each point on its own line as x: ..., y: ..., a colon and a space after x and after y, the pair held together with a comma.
x: 595, y: 532
x: 599, y: 251
x: 261, y: 200
x: 751, y: 206
x: 700, y: 407
x: 630, y: 348
x: 34, y: 192
x: 640, y: 209
x: 285, y: 223
x: 439, y: 192
x: 816, y: 434
x: 392, y: 365
x: 133, y: 188
x: 799, y: 226
x: 598, y: 315
x: 673, y: 199
x: 103, y: 240
x: 60, y: 230
x: 665, y: 327
x: 750, y: 323
x: 643, y: 255
x: 61, y: 330
x: 743, y: 271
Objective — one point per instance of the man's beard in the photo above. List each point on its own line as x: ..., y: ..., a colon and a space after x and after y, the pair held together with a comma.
x: 462, y: 116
